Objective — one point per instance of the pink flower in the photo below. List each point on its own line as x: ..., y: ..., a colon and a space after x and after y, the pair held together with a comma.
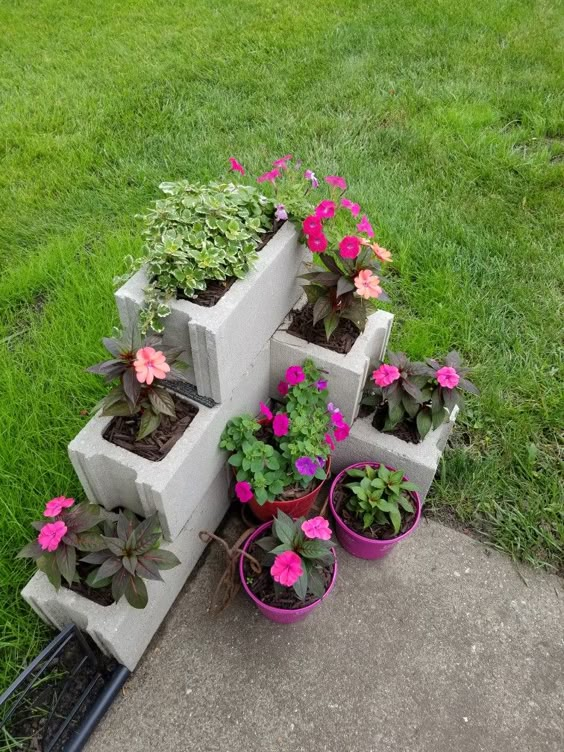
x: 281, y: 214
x: 365, y: 226
x: 325, y: 209
x: 282, y: 162
x: 269, y: 176
x: 283, y: 388
x: 385, y: 375
x: 306, y: 466
x: 349, y: 247
x: 321, y: 384
x: 265, y: 410
x: 329, y: 441
x: 312, y: 225
x: 56, y: 506
x: 336, y: 182
x: 309, y: 175
x: 337, y: 418
x: 342, y: 432
x: 281, y: 424
x: 317, y: 243
x: 236, y: 166
x: 367, y: 284
x: 287, y: 568
x: 447, y: 377
x: 51, y: 535
x: 295, y: 375
x: 318, y: 527
x: 382, y: 253
x: 150, y: 364
x: 243, y: 491
x: 351, y: 206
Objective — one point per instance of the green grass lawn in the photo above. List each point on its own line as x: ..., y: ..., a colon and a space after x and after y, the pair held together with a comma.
x: 445, y: 118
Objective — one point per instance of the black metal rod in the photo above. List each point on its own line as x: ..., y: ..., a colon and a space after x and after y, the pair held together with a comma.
x: 96, y: 712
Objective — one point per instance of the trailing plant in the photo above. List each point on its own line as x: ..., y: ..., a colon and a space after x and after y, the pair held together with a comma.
x: 140, y: 371
x: 379, y: 496
x: 289, y: 446
x: 298, y: 552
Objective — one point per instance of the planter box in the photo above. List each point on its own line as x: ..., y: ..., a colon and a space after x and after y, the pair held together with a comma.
x: 220, y: 343
x: 418, y: 461
x: 120, y: 630
x: 113, y: 476
x: 347, y: 374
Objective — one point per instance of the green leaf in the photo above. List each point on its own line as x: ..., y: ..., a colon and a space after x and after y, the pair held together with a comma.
x: 424, y: 423
x: 267, y: 543
x: 162, y: 402
x: 321, y: 309
x: 31, y: 550
x: 66, y: 562
x: 48, y: 564
x: 162, y: 558
x: 395, y: 517
x: 284, y: 528
x: 90, y: 541
x: 115, y: 545
x: 136, y: 592
x: 150, y: 421
x: 330, y: 322
x: 300, y: 586
x: 119, y: 583
x: 92, y: 582
x: 108, y: 568
x: 316, y: 584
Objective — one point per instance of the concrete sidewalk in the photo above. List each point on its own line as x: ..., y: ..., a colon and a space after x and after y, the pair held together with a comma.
x: 442, y: 647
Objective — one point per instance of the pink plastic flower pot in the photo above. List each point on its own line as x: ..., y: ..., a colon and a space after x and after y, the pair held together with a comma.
x: 280, y: 615
x: 359, y: 545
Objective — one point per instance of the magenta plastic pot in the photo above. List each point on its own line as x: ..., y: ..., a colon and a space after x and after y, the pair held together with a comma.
x: 359, y: 545
x: 280, y: 615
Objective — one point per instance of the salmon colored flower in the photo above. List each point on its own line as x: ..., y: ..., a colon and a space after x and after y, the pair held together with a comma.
x: 349, y: 247
x: 312, y: 225
x: 385, y: 375
x: 150, y: 364
x: 243, y: 491
x: 236, y: 166
x: 325, y: 209
x: 365, y: 226
x: 266, y: 411
x: 295, y: 375
x: 51, y: 535
x: 281, y: 424
x: 447, y: 377
x: 317, y: 527
x: 287, y: 568
x: 309, y: 175
x: 317, y: 243
x: 367, y: 284
x: 351, y: 206
x: 336, y: 182
x: 56, y: 506
x: 382, y: 253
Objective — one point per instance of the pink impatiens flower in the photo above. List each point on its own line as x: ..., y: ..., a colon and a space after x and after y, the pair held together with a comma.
x: 336, y: 182
x: 329, y: 441
x: 295, y: 375
x: 150, y: 364
x: 365, y: 226
x: 349, y: 247
x: 266, y: 411
x: 51, y: 535
x: 56, y: 506
x: 312, y: 225
x: 447, y: 377
x: 317, y: 243
x: 385, y: 375
x: 282, y: 388
x: 351, y: 206
x: 325, y: 209
x: 243, y: 491
x: 382, y: 253
x: 367, y: 284
x: 287, y: 568
x: 236, y: 166
x: 269, y: 176
x: 280, y: 424
x: 309, y: 175
x: 318, y: 527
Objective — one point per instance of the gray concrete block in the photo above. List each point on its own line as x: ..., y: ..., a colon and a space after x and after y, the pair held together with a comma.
x: 346, y: 374
x: 113, y: 476
x: 418, y: 461
x: 120, y: 630
x: 222, y: 342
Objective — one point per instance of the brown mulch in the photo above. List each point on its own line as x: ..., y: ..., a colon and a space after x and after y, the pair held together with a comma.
x: 376, y: 532
x: 342, y: 339
x: 406, y: 430
x: 123, y: 430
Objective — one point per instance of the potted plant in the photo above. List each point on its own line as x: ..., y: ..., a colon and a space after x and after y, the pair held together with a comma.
x: 374, y: 508
x: 282, y: 459
x: 288, y: 567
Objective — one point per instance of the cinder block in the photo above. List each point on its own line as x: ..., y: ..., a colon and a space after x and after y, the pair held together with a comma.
x: 418, y: 461
x: 346, y: 374
x: 113, y: 476
x: 221, y: 342
x: 120, y: 630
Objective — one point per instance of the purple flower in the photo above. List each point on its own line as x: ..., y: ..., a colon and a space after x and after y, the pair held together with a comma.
x: 331, y: 407
x: 321, y: 384
x: 306, y: 466
x: 309, y: 175
x: 281, y: 214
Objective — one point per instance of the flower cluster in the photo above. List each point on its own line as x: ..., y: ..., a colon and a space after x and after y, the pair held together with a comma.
x: 287, y: 448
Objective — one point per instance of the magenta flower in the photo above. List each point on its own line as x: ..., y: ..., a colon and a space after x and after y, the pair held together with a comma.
x: 351, y: 206
x: 287, y: 568
x: 281, y: 424
x: 349, y: 247
x: 341, y: 432
x: 317, y: 243
x: 309, y: 175
x: 265, y: 410
x: 317, y: 527
x: 150, y: 364
x: 337, y: 418
x: 51, y: 535
x: 365, y: 226
x: 269, y: 176
x: 447, y: 377
x: 321, y: 384
x: 385, y: 375
x: 329, y: 441
x: 312, y: 225
x: 282, y: 163
x: 243, y: 491
x: 281, y: 214
x: 336, y: 182
x: 295, y: 375
x: 325, y: 209
x: 56, y: 506
x: 283, y: 388
x: 236, y: 166
x: 306, y: 466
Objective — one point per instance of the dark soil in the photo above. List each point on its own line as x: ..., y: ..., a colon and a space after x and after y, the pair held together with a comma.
x: 376, y: 532
x: 101, y: 596
x: 262, y: 585
x: 406, y: 430
x: 342, y: 339
x: 123, y: 430
x: 216, y: 289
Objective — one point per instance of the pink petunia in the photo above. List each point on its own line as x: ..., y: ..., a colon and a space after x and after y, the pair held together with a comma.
x: 269, y: 176
x: 317, y: 527
x: 447, y: 377
x: 385, y: 375
x: 281, y: 424
x: 312, y: 225
x: 342, y: 432
x: 150, y: 364
x: 309, y: 175
x: 367, y: 284
x: 317, y: 243
x: 329, y: 441
x: 295, y: 375
x: 382, y: 253
x: 336, y: 182
x: 281, y: 215
x: 337, y: 418
x: 243, y: 491
x: 351, y: 206
x: 282, y: 388
x: 287, y: 568
x: 282, y: 163
x: 51, y: 535
x: 349, y: 247
x: 325, y: 209
x: 266, y: 411
x: 56, y: 506
x: 236, y: 166
x: 365, y: 226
